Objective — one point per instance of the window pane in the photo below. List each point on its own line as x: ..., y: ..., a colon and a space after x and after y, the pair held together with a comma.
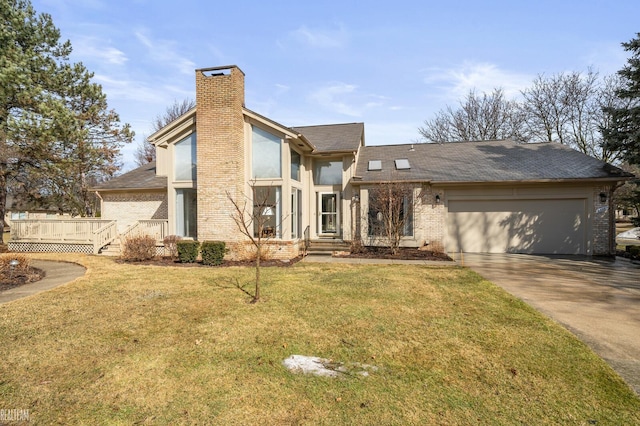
x: 295, y: 165
x: 296, y: 213
x: 327, y: 173
x: 185, y: 164
x: 267, y: 162
x: 186, y: 213
x: 266, y: 211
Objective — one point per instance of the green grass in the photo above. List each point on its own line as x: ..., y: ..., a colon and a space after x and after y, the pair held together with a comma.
x: 133, y: 344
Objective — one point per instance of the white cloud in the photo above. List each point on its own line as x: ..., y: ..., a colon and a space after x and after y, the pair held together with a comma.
x: 345, y: 99
x: 282, y: 88
x: 333, y: 97
x: 140, y: 92
x: 321, y: 38
x: 95, y: 48
x: 455, y: 83
x: 166, y: 52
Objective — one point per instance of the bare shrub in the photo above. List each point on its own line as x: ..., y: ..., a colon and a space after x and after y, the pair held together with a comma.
x: 436, y: 247
x: 171, y: 245
x: 357, y: 247
x: 138, y: 248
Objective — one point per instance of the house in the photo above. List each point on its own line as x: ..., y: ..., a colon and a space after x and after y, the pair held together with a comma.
x: 19, y: 208
x: 316, y: 183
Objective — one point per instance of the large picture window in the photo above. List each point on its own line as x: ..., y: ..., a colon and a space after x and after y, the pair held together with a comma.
x: 327, y: 172
x: 390, y: 208
x: 267, y: 210
x: 267, y: 155
x: 185, y: 153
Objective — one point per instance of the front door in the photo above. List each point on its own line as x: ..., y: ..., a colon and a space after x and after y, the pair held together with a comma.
x: 328, y: 213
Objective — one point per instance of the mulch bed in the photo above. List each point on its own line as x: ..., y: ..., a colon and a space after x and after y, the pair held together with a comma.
x: 9, y: 281
x: 168, y: 261
x: 404, y: 253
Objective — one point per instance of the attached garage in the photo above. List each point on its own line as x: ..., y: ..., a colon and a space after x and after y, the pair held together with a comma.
x: 540, y: 226
x: 502, y: 196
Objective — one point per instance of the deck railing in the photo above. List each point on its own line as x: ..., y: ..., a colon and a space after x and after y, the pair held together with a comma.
x: 156, y: 228
x: 79, y: 231
x: 96, y: 232
x: 105, y: 235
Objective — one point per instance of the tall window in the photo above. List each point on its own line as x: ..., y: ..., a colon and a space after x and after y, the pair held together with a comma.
x: 267, y: 156
x: 185, y: 161
x: 186, y: 213
x: 327, y: 172
x: 295, y: 165
x: 296, y: 213
x: 267, y: 210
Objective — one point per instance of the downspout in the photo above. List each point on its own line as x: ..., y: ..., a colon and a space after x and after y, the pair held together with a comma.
x: 101, y: 202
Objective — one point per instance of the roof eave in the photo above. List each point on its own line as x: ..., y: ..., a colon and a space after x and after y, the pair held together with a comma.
x: 176, y: 126
x: 155, y: 188
x: 532, y: 181
x: 288, y: 132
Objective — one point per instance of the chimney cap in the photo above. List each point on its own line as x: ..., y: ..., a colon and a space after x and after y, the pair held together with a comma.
x: 221, y: 68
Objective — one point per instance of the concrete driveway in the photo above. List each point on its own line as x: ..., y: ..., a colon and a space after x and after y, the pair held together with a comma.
x: 596, y: 299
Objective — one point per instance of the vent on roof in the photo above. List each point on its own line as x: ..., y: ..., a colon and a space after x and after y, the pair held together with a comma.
x: 375, y: 165
x: 402, y: 164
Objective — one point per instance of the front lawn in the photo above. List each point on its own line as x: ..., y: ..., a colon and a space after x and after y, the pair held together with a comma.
x: 131, y: 344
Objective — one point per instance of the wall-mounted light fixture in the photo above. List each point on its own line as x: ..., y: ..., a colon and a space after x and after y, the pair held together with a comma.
x: 356, y: 198
x: 603, y: 197
x: 438, y: 199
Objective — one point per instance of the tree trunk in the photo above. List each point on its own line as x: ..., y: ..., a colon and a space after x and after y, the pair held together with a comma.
x: 256, y: 296
x: 3, y: 196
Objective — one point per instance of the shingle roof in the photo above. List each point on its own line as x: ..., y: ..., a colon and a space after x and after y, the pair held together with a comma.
x: 333, y: 137
x: 144, y: 177
x: 486, y: 161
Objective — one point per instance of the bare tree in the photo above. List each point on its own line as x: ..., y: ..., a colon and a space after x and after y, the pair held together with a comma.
x: 145, y: 151
x: 571, y: 109
x: 479, y: 117
x: 390, y: 213
x: 256, y: 218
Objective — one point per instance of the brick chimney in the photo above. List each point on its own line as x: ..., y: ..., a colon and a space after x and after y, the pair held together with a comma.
x: 220, y: 149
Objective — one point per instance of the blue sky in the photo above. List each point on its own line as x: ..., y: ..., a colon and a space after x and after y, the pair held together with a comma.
x: 389, y: 64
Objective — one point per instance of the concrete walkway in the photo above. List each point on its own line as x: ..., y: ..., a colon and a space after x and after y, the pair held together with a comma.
x: 598, y: 300
x: 57, y: 273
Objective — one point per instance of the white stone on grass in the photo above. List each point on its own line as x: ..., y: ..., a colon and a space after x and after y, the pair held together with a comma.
x: 323, y: 367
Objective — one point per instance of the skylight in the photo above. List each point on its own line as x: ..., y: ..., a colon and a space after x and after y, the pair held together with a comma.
x: 375, y: 165
x: 402, y: 164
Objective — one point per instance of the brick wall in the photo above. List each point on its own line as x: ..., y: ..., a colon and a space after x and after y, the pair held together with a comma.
x: 602, y: 222
x: 127, y: 208
x: 430, y: 223
x: 220, y: 151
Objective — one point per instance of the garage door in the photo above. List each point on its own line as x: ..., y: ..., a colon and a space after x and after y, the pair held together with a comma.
x: 517, y: 226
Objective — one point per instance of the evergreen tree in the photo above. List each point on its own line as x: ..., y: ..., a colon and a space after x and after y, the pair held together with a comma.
x: 623, y: 132
x: 55, y: 127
